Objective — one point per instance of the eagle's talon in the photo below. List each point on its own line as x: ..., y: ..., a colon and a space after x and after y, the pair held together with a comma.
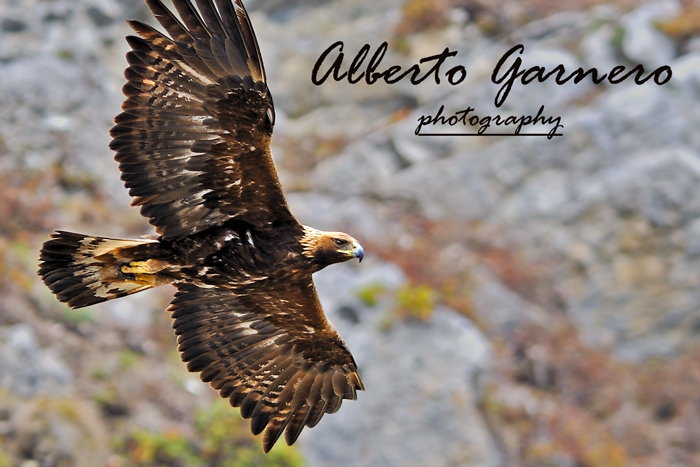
x: 137, y: 271
x: 125, y: 276
x: 136, y: 267
x: 137, y: 274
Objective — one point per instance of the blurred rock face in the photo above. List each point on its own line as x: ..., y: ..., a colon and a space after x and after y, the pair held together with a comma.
x: 613, y: 202
x: 595, y: 233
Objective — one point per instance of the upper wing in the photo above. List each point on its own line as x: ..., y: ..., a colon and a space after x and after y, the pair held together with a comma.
x: 269, y: 350
x: 193, y: 141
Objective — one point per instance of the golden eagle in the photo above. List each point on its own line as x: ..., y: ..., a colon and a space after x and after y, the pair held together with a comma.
x: 193, y: 146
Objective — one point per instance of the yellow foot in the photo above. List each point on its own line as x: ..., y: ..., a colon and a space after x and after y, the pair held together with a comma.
x: 142, y: 272
x: 136, y: 267
x: 147, y: 279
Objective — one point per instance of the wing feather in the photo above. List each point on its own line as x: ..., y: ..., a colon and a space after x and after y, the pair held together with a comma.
x: 199, y: 49
x: 317, y: 411
x: 333, y: 404
x: 283, y: 369
x: 193, y: 140
x: 191, y: 18
x: 211, y: 18
x: 296, y: 424
x: 175, y: 29
x: 275, y: 427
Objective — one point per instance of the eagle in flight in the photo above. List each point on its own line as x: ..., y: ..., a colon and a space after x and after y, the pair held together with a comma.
x: 193, y: 146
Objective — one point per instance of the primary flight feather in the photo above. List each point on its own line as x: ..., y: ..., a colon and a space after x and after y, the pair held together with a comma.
x: 193, y: 146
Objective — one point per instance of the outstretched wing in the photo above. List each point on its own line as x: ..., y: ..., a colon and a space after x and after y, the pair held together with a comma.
x: 193, y: 141
x: 269, y: 350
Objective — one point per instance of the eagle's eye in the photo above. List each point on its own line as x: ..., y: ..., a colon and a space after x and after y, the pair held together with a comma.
x: 340, y: 242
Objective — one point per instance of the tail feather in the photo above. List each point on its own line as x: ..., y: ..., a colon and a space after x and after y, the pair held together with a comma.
x: 82, y: 270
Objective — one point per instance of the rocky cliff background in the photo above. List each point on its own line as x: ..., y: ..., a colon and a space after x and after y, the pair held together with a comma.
x: 523, y: 302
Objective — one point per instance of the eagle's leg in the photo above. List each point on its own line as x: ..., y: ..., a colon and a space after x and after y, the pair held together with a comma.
x: 83, y: 270
x: 144, y: 272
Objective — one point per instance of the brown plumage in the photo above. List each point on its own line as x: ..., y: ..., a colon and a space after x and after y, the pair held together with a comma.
x: 193, y: 146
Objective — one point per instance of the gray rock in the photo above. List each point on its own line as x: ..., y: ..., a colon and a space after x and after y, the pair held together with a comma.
x: 132, y: 312
x: 411, y: 151
x: 632, y: 102
x: 61, y: 80
x: 686, y: 70
x: 598, y: 48
x: 362, y: 167
x: 27, y: 369
x: 643, y: 42
x: 455, y: 186
x: 363, y: 219
x: 503, y: 310
x: 692, y: 230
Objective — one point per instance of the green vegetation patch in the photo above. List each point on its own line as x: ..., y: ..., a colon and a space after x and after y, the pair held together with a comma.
x: 221, y: 438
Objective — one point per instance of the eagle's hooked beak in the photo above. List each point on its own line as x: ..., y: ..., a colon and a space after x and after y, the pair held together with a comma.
x: 358, y: 251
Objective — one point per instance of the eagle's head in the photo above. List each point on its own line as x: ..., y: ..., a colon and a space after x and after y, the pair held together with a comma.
x: 324, y: 248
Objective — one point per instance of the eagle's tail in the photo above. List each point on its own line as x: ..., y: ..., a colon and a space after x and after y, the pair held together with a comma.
x: 83, y: 270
